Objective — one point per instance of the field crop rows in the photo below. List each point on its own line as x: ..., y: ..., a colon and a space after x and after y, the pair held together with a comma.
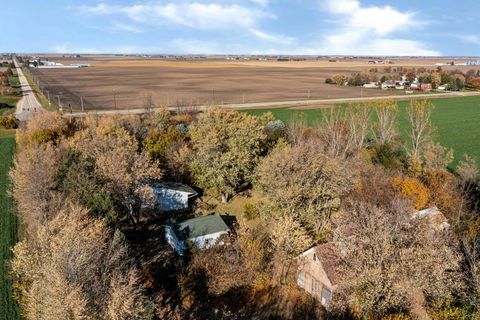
x: 8, y: 227
x: 457, y: 121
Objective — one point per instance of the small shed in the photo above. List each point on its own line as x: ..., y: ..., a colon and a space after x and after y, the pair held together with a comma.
x: 202, y: 232
x: 318, y: 272
x: 172, y: 196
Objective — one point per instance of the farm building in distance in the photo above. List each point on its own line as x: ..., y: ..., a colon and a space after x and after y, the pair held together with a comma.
x: 36, y: 62
x: 202, y: 232
x: 172, y: 196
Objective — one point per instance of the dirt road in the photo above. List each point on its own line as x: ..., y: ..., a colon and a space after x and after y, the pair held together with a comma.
x: 280, y: 104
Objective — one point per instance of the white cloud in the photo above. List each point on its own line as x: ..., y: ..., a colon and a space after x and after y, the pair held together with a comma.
x: 262, y: 3
x: 273, y: 38
x: 469, y: 38
x: 191, y: 14
x: 370, y: 30
x: 195, y: 15
x: 125, y: 28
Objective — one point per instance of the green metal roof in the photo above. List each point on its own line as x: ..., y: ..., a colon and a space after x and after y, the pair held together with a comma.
x: 198, y: 227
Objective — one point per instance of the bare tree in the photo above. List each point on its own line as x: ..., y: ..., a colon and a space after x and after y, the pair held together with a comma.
x: 345, y: 131
x: 385, y: 129
x: 419, y: 114
x: 147, y: 98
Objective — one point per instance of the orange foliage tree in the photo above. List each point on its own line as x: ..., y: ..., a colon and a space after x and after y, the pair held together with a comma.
x: 413, y: 189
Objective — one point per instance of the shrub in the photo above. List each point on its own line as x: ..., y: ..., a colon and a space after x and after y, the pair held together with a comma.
x: 385, y: 155
x: 43, y: 136
x: 182, y: 128
x: 452, y: 312
x: 185, y: 118
x: 8, y: 122
x: 413, y: 189
x: 250, y: 211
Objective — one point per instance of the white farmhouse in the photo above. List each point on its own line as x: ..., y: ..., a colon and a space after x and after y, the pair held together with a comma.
x: 202, y: 232
x: 172, y: 196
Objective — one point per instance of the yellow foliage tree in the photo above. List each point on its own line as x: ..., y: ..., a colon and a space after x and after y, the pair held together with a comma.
x: 413, y: 189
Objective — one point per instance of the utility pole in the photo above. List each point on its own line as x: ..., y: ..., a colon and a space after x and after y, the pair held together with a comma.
x: 213, y: 95
x: 59, y: 104
x: 308, y: 95
x: 243, y: 98
x: 115, y: 99
x: 81, y: 102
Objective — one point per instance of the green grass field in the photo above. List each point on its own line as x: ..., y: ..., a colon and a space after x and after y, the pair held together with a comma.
x: 8, y: 227
x: 457, y: 121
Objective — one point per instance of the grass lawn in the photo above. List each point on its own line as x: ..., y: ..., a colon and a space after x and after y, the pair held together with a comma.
x: 457, y: 121
x: 8, y: 227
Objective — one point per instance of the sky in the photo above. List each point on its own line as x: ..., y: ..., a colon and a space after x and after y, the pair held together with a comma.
x: 295, y: 27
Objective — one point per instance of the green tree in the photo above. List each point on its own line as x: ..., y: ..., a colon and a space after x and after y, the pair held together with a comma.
x: 226, y: 149
x: 158, y: 142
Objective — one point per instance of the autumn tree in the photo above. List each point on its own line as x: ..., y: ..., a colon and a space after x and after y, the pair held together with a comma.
x: 34, y: 182
x: 339, y: 79
x: 158, y: 142
x: 125, y: 170
x: 288, y: 238
x: 75, y: 268
x: 468, y: 172
x: 413, y: 189
x: 242, y: 263
x: 78, y: 182
x: 42, y: 128
x: 302, y: 181
x: 393, y: 263
x: 226, y: 149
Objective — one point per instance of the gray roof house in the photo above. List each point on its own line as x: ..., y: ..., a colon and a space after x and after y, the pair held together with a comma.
x: 202, y: 232
x: 172, y: 196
